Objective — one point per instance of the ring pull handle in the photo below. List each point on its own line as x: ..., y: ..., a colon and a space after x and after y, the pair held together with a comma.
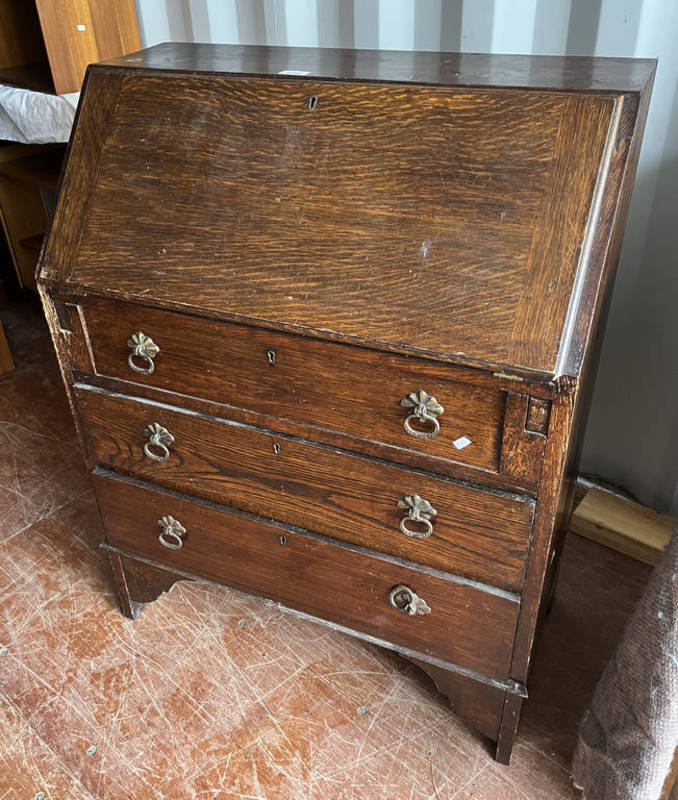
x: 159, y: 440
x: 418, y: 510
x: 145, y: 348
x: 404, y: 599
x: 172, y: 534
x: 425, y: 409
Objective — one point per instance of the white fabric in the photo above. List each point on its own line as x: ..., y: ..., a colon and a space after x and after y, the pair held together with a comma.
x: 34, y: 117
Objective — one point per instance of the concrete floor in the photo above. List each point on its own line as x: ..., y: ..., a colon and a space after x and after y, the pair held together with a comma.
x: 210, y: 695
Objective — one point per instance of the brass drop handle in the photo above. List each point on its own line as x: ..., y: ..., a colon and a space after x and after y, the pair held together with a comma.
x: 425, y: 409
x: 145, y: 348
x: 172, y: 534
x: 404, y: 599
x: 159, y: 440
x: 418, y: 510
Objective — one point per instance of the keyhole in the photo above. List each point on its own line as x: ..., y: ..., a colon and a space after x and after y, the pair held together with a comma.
x: 276, y: 448
x: 283, y: 540
x: 312, y: 102
x: 270, y: 355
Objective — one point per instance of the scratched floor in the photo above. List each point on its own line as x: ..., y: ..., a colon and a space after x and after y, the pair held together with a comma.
x: 209, y: 695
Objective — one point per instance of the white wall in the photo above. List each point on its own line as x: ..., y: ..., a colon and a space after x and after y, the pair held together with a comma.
x: 632, y: 437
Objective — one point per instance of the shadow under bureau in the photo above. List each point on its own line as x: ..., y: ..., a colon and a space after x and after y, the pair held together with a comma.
x: 328, y: 322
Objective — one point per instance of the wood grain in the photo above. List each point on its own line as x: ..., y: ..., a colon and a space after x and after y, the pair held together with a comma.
x: 90, y: 127
x: 588, y: 311
x: 138, y: 582
x: 508, y: 727
x: 522, y: 450
x: 80, y: 32
x: 399, y: 189
x: 503, y: 481
x: 559, y: 233
x: 352, y: 390
x: 313, y: 575
x: 497, y: 70
x: 129, y: 607
x: 570, y: 407
x: 478, y: 703
x: 116, y: 27
x: 479, y: 534
x: 445, y: 222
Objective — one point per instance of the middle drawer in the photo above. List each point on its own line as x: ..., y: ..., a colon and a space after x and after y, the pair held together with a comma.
x: 477, y: 533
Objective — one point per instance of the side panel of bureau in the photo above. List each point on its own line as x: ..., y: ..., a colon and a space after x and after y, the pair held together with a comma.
x: 467, y: 626
x: 477, y: 533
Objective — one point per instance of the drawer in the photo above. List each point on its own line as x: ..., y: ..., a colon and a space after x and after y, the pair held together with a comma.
x: 467, y: 626
x: 351, y: 390
x: 477, y: 533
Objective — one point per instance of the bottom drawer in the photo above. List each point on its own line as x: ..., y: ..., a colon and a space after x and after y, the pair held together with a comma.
x: 467, y: 625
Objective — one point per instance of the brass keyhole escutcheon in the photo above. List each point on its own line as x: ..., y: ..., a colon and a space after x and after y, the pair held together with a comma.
x: 404, y: 599
x: 172, y: 534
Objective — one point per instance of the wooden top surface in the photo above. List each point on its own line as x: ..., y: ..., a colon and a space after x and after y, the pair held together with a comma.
x: 560, y: 73
x: 444, y: 221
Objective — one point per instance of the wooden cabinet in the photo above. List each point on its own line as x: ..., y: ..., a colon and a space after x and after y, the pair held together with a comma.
x: 47, y: 45
x: 328, y: 336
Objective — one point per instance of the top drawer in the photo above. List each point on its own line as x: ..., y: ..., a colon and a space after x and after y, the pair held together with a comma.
x: 349, y: 390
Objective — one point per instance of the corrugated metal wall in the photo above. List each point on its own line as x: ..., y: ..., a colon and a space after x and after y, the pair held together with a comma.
x: 633, y: 431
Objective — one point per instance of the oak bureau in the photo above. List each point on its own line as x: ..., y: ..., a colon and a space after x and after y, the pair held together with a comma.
x: 328, y: 322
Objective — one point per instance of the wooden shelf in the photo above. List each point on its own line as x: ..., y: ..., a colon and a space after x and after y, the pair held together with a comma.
x: 35, y: 76
x: 36, y: 167
x: 46, y: 45
x: 33, y: 243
